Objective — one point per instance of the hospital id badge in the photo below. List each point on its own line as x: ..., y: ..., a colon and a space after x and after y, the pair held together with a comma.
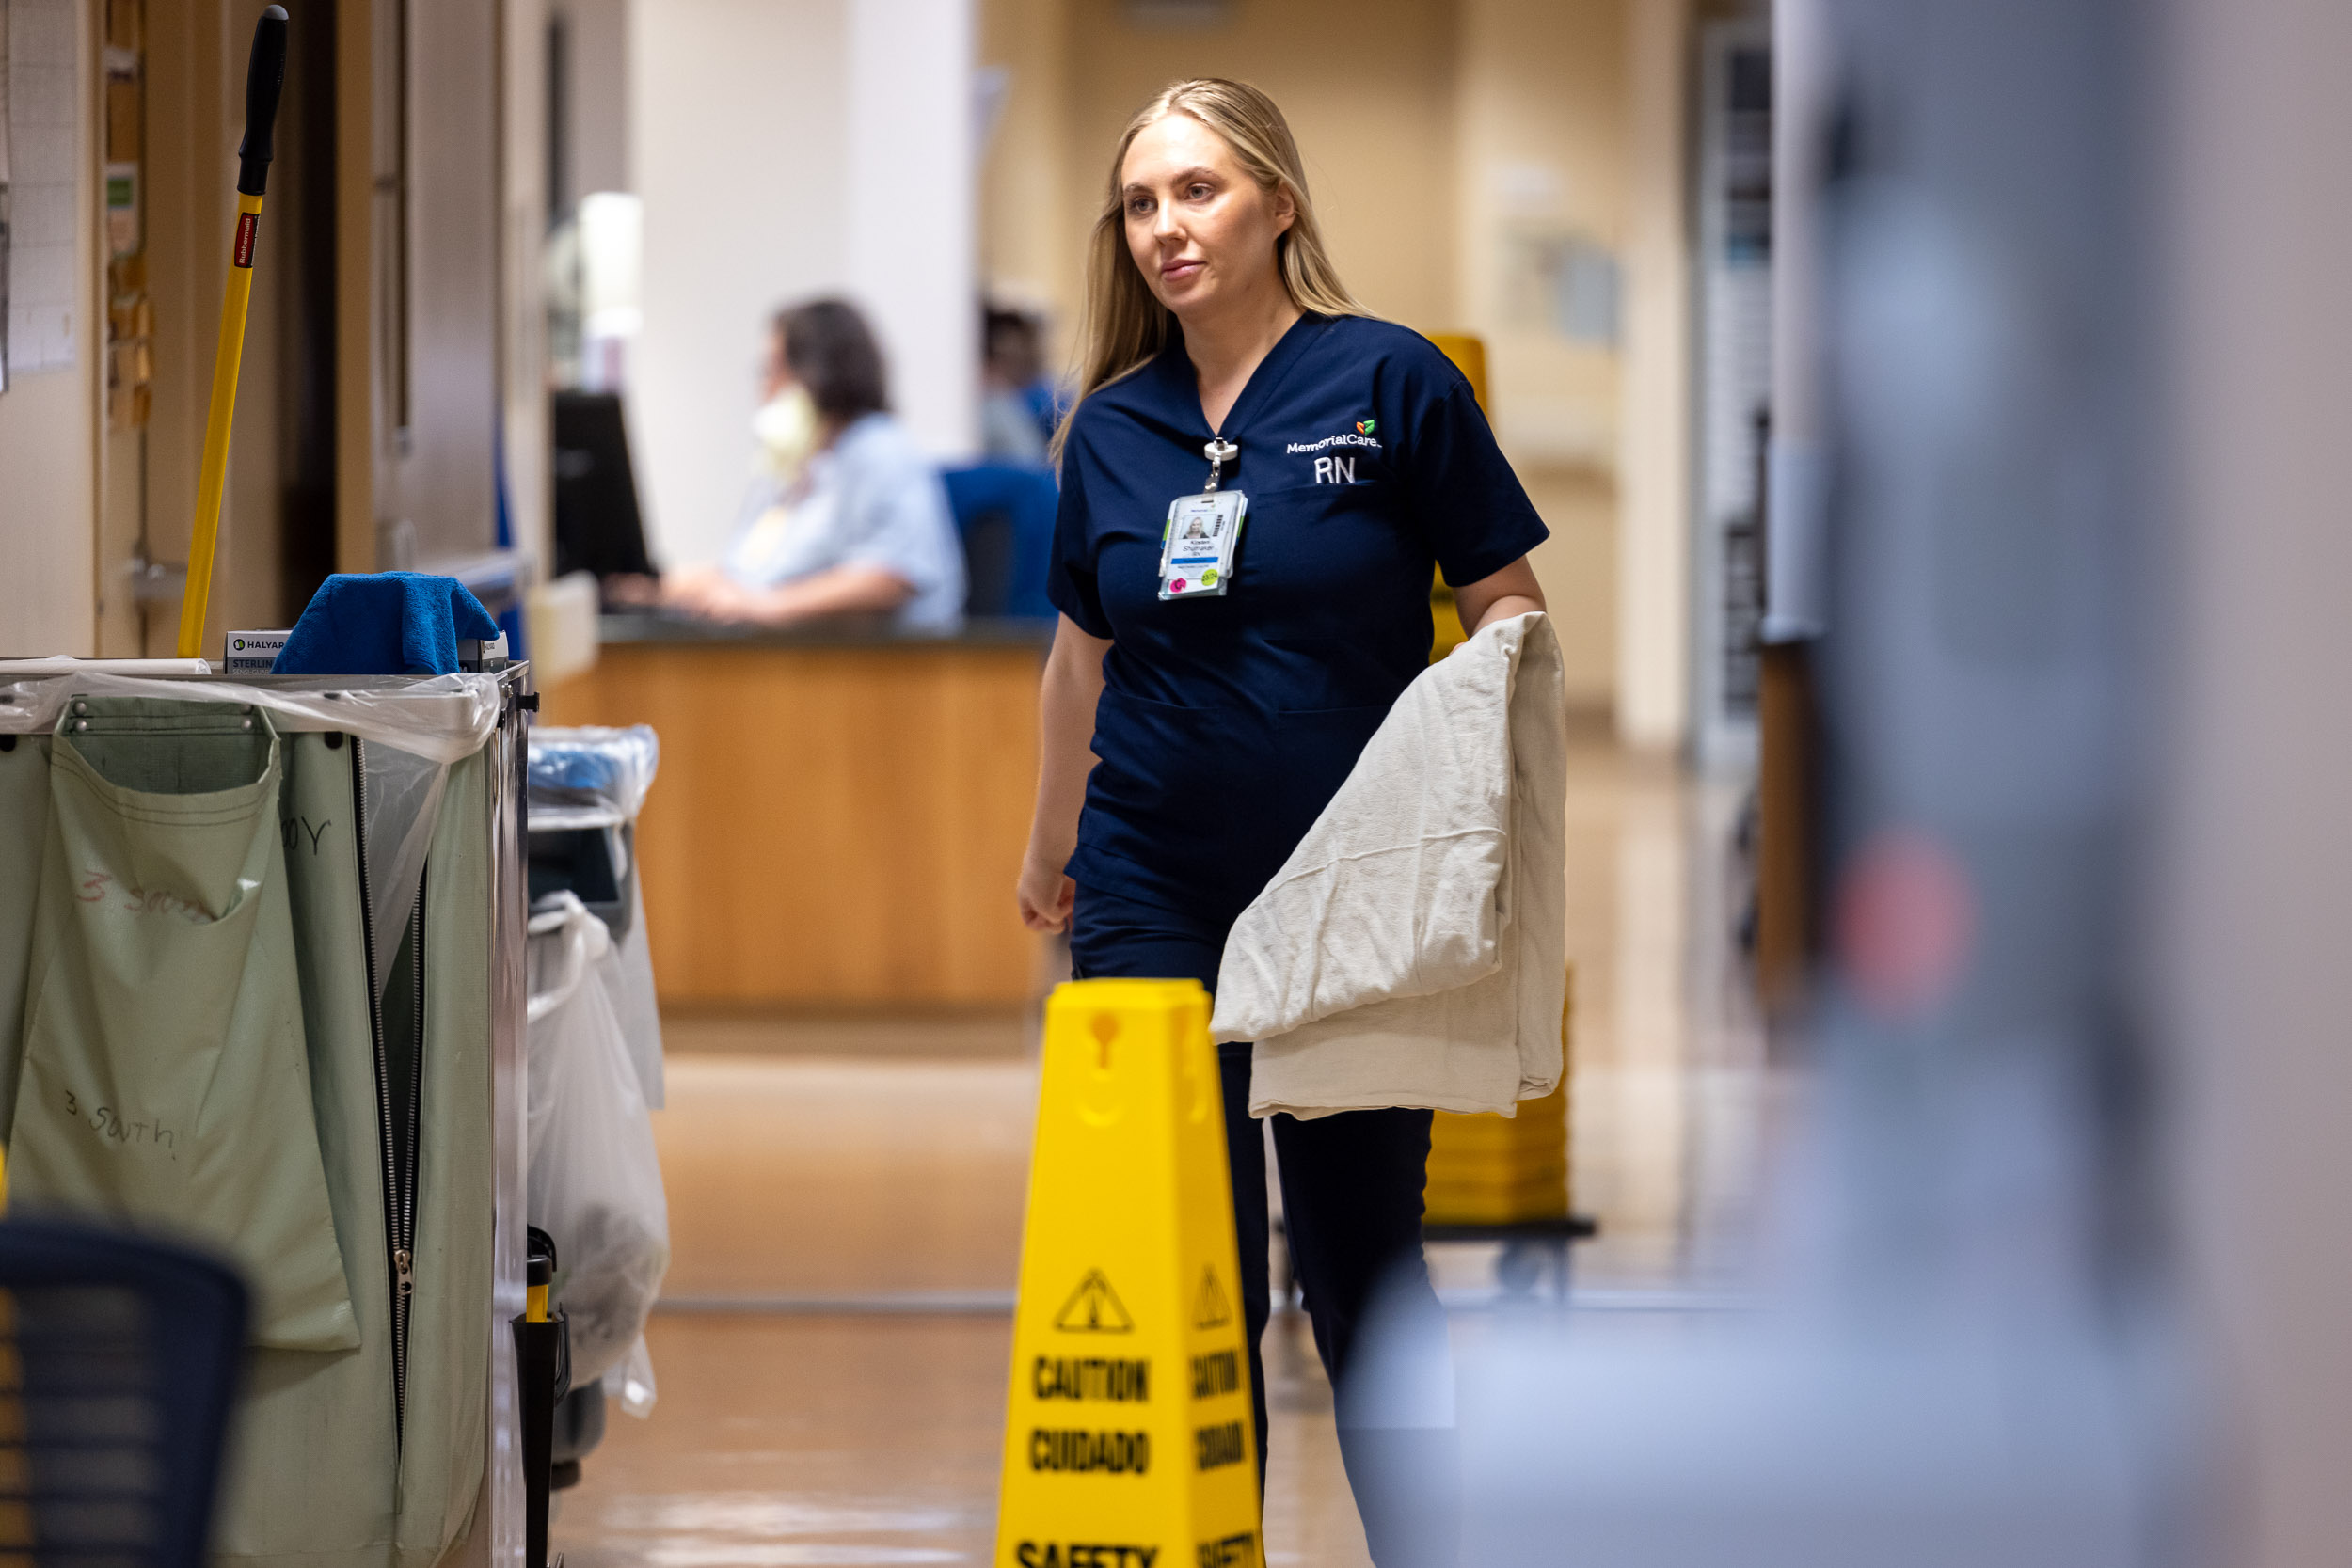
x: 1196, y: 546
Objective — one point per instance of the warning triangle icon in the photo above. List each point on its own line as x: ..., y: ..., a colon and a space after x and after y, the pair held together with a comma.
x: 1093, y: 1308
x: 1208, y: 1308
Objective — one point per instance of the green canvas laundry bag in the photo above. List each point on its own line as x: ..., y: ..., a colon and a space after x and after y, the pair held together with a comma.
x: 24, y: 828
x: 374, y: 1458
x: 165, y: 1082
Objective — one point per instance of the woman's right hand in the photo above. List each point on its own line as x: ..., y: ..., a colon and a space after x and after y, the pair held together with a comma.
x: 1045, y: 894
x: 1066, y: 698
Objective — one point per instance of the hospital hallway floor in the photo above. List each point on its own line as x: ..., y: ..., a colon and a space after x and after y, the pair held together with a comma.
x: 846, y: 1206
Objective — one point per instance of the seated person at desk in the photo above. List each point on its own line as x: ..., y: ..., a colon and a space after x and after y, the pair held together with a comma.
x: 846, y: 516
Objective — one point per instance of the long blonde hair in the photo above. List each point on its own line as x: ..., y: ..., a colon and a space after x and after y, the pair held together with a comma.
x: 1125, y: 323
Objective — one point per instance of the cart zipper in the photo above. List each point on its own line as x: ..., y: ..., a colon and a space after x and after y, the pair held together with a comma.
x: 403, y: 1256
x: 398, y: 1195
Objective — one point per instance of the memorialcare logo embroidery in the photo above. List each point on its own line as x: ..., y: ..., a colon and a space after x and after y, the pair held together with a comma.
x: 1331, y: 467
x: 1359, y: 436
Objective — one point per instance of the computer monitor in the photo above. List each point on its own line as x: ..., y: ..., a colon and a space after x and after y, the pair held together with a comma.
x: 597, y: 526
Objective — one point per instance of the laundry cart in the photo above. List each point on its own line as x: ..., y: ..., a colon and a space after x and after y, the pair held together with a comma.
x: 261, y: 987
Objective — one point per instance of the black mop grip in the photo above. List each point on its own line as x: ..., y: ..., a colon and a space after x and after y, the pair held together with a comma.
x: 264, y: 79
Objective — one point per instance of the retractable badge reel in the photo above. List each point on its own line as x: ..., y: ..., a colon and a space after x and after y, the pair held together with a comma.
x: 1204, y: 531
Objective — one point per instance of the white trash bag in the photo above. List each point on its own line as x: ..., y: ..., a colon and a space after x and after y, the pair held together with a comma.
x: 629, y: 1381
x: 595, y: 1182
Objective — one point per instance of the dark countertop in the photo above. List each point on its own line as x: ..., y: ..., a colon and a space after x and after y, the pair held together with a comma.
x: 846, y: 632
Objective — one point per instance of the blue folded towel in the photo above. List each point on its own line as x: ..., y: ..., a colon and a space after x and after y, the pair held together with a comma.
x: 383, y: 624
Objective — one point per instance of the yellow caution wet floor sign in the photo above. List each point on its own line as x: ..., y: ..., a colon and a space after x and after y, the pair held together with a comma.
x: 1129, y: 1442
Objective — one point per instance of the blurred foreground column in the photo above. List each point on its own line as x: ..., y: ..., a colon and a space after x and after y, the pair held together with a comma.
x: 2258, y: 956
x: 1963, y: 1354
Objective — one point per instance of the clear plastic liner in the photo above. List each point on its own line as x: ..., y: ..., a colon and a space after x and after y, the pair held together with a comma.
x: 629, y: 1381
x: 640, y: 1010
x: 442, y: 719
x: 594, y: 1180
x: 590, y: 776
x: 404, y: 805
x: 20, y: 668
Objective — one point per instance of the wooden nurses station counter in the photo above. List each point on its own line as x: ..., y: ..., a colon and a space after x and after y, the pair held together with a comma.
x: 840, y: 815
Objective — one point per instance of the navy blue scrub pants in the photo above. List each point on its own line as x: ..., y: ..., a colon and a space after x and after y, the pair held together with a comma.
x: 1352, y: 1210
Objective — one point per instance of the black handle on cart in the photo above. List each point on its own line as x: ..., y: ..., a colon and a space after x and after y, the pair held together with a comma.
x: 541, y: 1372
x: 265, y: 80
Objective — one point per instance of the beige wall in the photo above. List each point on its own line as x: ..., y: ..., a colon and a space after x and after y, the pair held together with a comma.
x: 1654, y: 438
x: 1028, y: 235
x: 727, y: 236
x: 1540, y: 85
x: 785, y: 150
x: 1543, y: 157
x: 1367, y: 87
x: 45, y: 515
x: 1577, y: 569
x: 48, y: 466
x: 1431, y: 129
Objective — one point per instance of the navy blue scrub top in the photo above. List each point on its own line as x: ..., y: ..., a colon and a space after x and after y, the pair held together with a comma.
x: 1227, y: 724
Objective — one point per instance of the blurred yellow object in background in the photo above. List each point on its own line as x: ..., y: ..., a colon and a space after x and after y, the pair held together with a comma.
x: 1469, y: 354
x: 1491, y: 1169
x: 1495, y: 1170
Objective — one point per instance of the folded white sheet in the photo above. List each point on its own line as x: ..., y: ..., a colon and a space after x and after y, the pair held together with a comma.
x: 1412, y: 950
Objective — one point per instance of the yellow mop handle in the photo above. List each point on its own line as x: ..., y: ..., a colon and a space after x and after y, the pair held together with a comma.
x: 265, y: 77
x: 214, y: 476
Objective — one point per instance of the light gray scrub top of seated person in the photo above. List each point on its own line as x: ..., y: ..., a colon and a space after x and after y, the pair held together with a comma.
x: 872, y: 499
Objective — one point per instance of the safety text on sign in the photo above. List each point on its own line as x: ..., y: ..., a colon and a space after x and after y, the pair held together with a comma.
x: 1078, y: 1554
x: 1233, y: 1551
